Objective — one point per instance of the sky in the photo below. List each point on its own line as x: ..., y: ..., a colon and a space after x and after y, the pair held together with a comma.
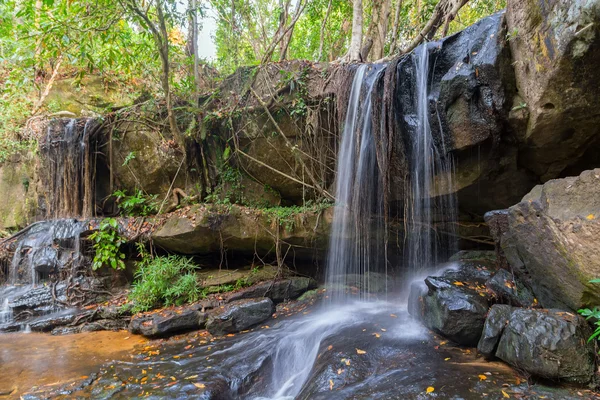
x: 206, y: 44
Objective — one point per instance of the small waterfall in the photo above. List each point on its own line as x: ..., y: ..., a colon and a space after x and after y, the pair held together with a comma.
x: 355, y: 249
x: 68, y: 168
x: 430, y: 218
x: 6, y: 313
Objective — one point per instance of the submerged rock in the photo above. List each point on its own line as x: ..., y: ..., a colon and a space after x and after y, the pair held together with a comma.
x: 239, y: 315
x: 549, y: 344
x: 495, y: 323
x: 552, y: 241
x: 168, y: 321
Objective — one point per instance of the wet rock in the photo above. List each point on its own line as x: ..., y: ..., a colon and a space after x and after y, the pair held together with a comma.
x: 168, y: 321
x: 277, y: 291
x: 454, y: 304
x: 552, y: 241
x: 550, y: 344
x: 476, y: 255
x: 46, y: 323
x: 497, y: 221
x: 239, y: 315
x: 509, y: 290
x: 493, y: 328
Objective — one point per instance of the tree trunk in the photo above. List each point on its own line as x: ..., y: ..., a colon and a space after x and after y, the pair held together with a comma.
x: 396, y: 28
x: 357, y: 34
x: 378, y: 29
x: 323, y: 30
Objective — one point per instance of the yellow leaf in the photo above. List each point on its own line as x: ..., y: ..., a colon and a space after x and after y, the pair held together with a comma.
x: 430, y: 389
x: 446, y: 359
x: 457, y: 283
x: 590, y: 217
x: 377, y: 335
x: 482, y: 377
x: 339, y: 371
x: 329, y: 347
x: 505, y: 395
x: 200, y: 385
x: 359, y: 351
x: 331, y: 384
x: 192, y: 377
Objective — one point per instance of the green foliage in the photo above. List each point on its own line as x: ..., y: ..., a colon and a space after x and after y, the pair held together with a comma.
x: 164, y: 281
x: 130, y: 156
x: 286, y: 217
x: 592, y: 314
x: 107, y: 245
x: 137, y: 204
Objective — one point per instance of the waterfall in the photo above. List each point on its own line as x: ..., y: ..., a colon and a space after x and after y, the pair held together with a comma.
x: 430, y: 218
x: 67, y: 168
x: 355, y: 242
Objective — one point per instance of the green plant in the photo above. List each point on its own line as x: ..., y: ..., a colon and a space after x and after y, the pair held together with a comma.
x: 107, y: 245
x: 593, y: 314
x: 165, y: 281
x: 137, y: 204
x: 130, y: 156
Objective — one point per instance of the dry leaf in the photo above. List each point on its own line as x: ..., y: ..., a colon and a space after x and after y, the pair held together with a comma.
x: 339, y: 371
x: 505, y: 395
x: 430, y: 389
x: 359, y: 351
x: 457, y: 283
x: 377, y: 335
x: 200, y: 385
x: 331, y: 384
x: 482, y: 377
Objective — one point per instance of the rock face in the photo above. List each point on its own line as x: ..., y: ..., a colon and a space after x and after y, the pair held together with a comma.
x: 509, y: 290
x: 168, y: 321
x: 552, y: 241
x: 550, y: 344
x: 556, y: 48
x: 277, y: 291
x: 205, y: 229
x: 17, y: 185
x: 454, y: 304
x: 239, y: 315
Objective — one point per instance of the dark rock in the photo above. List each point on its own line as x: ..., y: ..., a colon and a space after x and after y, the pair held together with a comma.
x: 455, y: 303
x: 46, y: 323
x: 510, y: 291
x: 476, y: 255
x: 277, y: 291
x: 550, y: 344
x: 239, y: 315
x: 497, y: 221
x: 552, y: 241
x: 492, y: 330
x: 168, y: 321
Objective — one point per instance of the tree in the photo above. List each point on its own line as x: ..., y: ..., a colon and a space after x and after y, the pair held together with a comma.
x: 357, y: 31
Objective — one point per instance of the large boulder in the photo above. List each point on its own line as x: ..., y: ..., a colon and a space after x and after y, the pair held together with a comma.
x: 239, y: 315
x: 453, y: 304
x: 555, y: 46
x: 277, y: 290
x: 550, y: 344
x: 168, y: 321
x: 510, y: 290
x: 552, y: 241
x: 495, y: 323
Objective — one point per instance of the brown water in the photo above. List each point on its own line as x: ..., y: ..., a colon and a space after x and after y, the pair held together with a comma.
x: 29, y: 360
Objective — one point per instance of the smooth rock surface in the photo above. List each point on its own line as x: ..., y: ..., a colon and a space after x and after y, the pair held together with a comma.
x: 509, y: 290
x: 278, y: 291
x: 239, y: 315
x: 168, y: 321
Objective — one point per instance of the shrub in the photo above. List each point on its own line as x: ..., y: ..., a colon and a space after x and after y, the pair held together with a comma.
x: 592, y: 314
x: 107, y: 245
x: 164, y: 281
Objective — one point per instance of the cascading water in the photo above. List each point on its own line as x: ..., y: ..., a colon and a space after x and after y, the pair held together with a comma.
x: 355, y: 243
x: 430, y: 218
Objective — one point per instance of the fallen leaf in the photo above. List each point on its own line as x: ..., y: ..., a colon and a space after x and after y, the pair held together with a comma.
x: 329, y: 347
x: 446, y: 359
x: 430, y: 389
x: 457, y: 283
x: 331, y: 384
x: 192, y: 377
x: 200, y: 385
x: 393, y: 316
x: 377, y: 335
x: 505, y: 395
x: 383, y: 330
x: 590, y: 217
x: 359, y: 351
x: 482, y: 377
x: 339, y: 371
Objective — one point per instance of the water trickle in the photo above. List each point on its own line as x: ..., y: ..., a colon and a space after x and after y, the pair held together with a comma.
x: 6, y: 313
x: 355, y: 243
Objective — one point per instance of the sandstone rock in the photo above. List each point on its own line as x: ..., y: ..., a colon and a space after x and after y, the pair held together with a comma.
x: 477, y: 255
x: 17, y: 185
x: 277, y: 291
x: 509, y: 290
x: 168, y: 321
x: 495, y: 322
x: 552, y: 242
x: 239, y: 315
x: 550, y: 344
x: 556, y: 53
x: 203, y: 229
x: 497, y: 221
